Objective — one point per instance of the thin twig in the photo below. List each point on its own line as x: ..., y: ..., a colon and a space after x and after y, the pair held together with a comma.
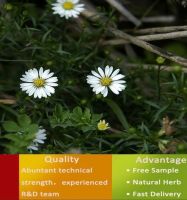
x: 166, y: 29
x: 163, y: 36
x: 4, y: 60
x: 9, y: 109
x: 7, y: 101
x: 124, y: 11
x: 90, y: 12
x: 149, y: 47
x: 149, y: 10
x: 143, y: 44
x: 154, y: 37
x: 158, y: 83
x: 159, y: 19
x: 150, y: 66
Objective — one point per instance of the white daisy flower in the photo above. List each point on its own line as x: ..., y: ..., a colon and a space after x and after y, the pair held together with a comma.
x: 40, y: 137
x: 68, y: 8
x: 104, y: 79
x: 39, y: 83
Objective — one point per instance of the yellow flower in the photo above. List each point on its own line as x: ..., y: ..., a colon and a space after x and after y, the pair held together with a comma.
x: 160, y: 60
x: 102, y: 125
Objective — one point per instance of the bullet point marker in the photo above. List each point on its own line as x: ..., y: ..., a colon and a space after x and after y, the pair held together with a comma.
x: 128, y: 170
x: 128, y: 194
x: 127, y: 182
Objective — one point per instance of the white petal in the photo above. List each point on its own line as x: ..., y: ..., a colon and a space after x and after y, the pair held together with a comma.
x: 49, y: 75
x: 119, y: 81
x: 42, y: 92
x: 115, y: 73
x: 117, y: 77
x: 107, y: 69
x: 26, y: 88
x: 119, y: 87
x: 105, y: 92
x: 99, y: 89
x: 96, y: 74
x: 41, y: 137
x: 47, y: 92
x: 36, y: 93
x: 50, y: 89
x: 32, y: 91
x: 41, y: 72
x: 32, y: 147
x: 75, y: 1
x: 52, y: 84
x: 39, y: 141
x: 101, y: 72
x: 35, y: 72
x: 52, y: 79
x: 114, y: 89
x: 93, y: 80
x: 95, y: 86
x: 39, y: 93
x: 45, y: 74
x: 26, y: 79
x: 110, y: 71
x: 26, y: 84
x: 30, y: 75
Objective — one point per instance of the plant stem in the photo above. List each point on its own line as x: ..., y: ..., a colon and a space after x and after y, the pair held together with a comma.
x: 158, y: 83
x: 9, y: 110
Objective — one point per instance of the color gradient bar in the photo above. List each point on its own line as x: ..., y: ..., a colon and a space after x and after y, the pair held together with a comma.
x: 149, y: 177
x: 93, y: 177
x: 65, y: 177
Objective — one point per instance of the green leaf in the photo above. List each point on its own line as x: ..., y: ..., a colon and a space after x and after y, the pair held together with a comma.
x: 29, y: 137
x: 58, y: 110
x: 159, y: 112
x: 24, y: 120
x: 33, y: 128
x: 88, y: 128
x: 96, y: 117
x: 46, y: 35
x: 11, y: 126
x: 117, y: 110
x: 152, y: 104
x: 87, y: 114
x: 77, y: 114
x: 13, y: 137
x: 13, y: 149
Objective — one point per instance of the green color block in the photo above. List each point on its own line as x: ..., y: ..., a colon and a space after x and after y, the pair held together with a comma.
x: 149, y: 177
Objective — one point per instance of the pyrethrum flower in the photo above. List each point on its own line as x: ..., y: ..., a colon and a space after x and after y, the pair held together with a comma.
x: 40, y: 137
x: 39, y: 83
x: 102, y: 125
x: 108, y: 78
x: 68, y: 8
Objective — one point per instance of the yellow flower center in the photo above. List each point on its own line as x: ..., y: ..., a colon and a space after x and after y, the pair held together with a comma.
x: 39, y: 82
x: 102, y: 125
x: 106, y: 81
x: 68, y: 5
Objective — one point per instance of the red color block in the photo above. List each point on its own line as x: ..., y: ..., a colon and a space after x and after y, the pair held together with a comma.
x: 9, y: 177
